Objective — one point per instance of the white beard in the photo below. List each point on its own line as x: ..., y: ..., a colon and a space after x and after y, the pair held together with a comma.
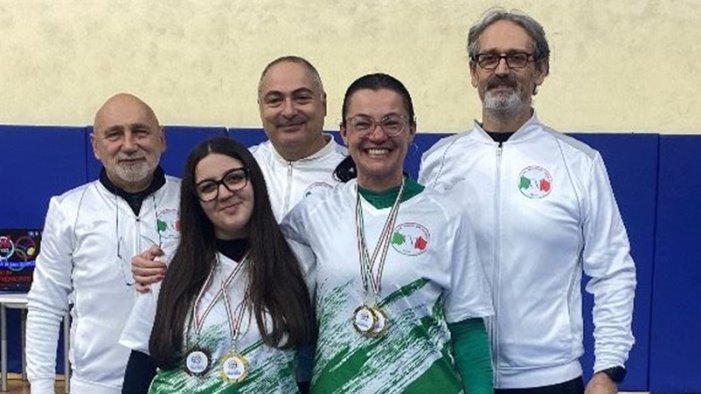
x: 134, y: 173
x: 138, y: 171
x: 502, y: 103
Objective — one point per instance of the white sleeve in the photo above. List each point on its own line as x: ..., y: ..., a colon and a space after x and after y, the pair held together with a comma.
x: 432, y: 172
x: 293, y: 228
x: 469, y: 295
x: 607, y: 260
x: 428, y: 170
x: 137, y: 330
x: 48, y: 298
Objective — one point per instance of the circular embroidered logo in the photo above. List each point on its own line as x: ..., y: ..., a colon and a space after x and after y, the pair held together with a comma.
x: 316, y: 188
x: 410, y: 239
x: 535, y: 182
x: 168, y: 223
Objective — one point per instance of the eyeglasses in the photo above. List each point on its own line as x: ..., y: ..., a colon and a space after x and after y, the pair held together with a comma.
x: 235, y: 179
x: 392, y: 125
x: 514, y: 60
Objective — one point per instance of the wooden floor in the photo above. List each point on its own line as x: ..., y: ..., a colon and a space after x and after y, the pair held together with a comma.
x: 15, y: 385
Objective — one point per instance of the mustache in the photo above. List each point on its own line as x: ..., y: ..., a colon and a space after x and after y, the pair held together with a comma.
x: 502, y: 81
x: 131, y: 156
x: 298, y: 119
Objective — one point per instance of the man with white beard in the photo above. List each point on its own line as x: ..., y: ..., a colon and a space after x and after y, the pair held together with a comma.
x: 544, y: 212
x: 90, y: 235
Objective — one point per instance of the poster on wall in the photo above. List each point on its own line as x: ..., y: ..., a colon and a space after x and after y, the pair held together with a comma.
x: 19, y: 249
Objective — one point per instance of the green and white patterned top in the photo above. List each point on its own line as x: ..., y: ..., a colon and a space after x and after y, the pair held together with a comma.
x: 271, y: 370
x: 431, y: 277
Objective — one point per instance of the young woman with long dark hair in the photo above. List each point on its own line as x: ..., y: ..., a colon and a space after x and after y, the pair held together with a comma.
x: 233, y: 305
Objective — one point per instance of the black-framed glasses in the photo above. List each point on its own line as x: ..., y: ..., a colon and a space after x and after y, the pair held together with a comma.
x: 514, y: 60
x: 233, y: 180
x: 392, y: 125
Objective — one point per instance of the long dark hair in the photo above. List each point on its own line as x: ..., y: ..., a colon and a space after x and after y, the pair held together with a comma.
x: 276, y: 284
x: 346, y: 169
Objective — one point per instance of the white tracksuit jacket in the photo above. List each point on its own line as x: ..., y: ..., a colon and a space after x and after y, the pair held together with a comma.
x: 78, y: 265
x: 289, y: 182
x: 544, y: 212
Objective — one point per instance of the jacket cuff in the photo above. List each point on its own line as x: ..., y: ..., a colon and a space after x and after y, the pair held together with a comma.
x: 42, y: 386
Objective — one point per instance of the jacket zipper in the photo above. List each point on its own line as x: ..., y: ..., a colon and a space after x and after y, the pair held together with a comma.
x: 288, y: 187
x: 496, y: 269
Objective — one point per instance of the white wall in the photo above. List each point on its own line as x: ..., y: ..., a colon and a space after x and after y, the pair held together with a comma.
x: 625, y: 65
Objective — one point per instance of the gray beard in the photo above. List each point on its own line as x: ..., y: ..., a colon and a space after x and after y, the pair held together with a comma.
x: 502, y: 105
x: 134, y: 173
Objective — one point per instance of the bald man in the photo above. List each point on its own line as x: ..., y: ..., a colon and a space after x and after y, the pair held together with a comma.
x: 90, y: 235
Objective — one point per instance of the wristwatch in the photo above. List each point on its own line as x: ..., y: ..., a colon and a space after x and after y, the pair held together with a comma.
x: 617, y: 374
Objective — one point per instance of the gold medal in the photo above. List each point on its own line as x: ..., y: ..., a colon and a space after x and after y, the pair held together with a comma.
x: 363, y: 319
x: 197, y: 362
x: 381, y: 323
x: 234, y: 367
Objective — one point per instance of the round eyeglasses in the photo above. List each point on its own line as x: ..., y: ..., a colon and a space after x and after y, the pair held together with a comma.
x: 233, y: 180
x: 392, y: 125
x: 514, y: 60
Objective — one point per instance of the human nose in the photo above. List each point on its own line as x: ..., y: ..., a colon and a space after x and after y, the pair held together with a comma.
x: 288, y: 108
x: 129, y: 144
x: 223, y: 191
x: 373, y: 135
x: 502, y: 66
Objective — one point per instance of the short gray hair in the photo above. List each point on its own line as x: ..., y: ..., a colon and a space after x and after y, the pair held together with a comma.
x: 297, y: 60
x: 541, y: 49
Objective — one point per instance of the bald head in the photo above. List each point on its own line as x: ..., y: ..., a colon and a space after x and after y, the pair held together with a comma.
x: 128, y: 140
x: 117, y: 105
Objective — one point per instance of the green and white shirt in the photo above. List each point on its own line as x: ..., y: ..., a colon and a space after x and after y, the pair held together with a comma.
x: 431, y: 277
x: 271, y: 370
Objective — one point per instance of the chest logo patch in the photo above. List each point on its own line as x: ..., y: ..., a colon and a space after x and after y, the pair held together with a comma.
x: 316, y: 188
x: 168, y: 223
x: 535, y: 182
x: 410, y: 239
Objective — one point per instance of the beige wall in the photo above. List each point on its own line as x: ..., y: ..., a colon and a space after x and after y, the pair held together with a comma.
x: 624, y: 65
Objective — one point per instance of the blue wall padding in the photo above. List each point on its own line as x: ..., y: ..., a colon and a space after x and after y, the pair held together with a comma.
x: 675, y: 350
x: 248, y: 136
x: 655, y: 178
x: 631, y: 161
x: 37, y: 162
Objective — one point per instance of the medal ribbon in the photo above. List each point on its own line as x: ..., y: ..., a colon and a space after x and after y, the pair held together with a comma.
x: 235, y: 325
x: 198, y: 322
x: 367, y: 263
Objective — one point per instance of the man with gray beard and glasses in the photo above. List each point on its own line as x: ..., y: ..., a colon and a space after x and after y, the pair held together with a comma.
x: 544, y: 213
x: 90, y: 235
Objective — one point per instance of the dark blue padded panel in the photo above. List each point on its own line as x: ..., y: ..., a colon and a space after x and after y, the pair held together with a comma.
x: 37, y: 162
x: 631, y: 161
x: 676, y: 310
x: 179, y: 141
x: 247, y: 136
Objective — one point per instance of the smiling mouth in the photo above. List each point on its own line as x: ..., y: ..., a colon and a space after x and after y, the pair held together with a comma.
x: 291, y: 125
x: 232, y: 207
x: 377, y: 152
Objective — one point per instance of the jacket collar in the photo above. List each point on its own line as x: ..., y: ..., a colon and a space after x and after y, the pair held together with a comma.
x: 524, y: 132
